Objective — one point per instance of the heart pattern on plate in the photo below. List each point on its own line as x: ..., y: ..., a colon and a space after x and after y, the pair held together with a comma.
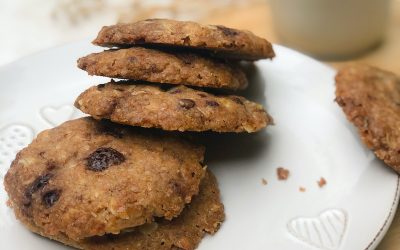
x: 13, y: 138
x: 324, y: 231
x: 54, y: 116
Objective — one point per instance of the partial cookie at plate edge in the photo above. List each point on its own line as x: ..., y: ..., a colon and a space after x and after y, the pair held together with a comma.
x: 370, y: 98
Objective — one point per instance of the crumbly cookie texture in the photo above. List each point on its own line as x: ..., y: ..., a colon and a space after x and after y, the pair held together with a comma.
x: 370, y: 98
x: 218, y: 40
x: 179, y: 108
x: 87, y: 178
x: 203, y: 215
x: 152, y: 65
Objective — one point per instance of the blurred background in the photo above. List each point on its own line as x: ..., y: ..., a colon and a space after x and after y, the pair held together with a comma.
x: 334, y: 31
x: 351, y: 30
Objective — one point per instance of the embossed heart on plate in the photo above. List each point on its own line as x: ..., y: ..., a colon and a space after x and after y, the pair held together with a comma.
x: 324, y: 232
x: 54, y: 116
x: 13, y: 138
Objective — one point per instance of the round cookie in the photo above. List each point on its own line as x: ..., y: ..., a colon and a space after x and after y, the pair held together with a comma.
x: 87, y: 178
x: 179, y: 108
x: 370, y: 98
x: 203, y: 215
x: 217, y: 40
x: 152, y: 65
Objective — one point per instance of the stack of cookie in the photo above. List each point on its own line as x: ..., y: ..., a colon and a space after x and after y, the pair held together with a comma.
x: 114, y: 181
x: 173, y: 55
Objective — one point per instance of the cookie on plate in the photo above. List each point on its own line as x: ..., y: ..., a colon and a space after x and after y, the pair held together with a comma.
x: 203, y: 215
x: 178, y: 108
x: 220, y: 41
x: 370, y: 97
x: 87, y: 178
x: 152, y: 65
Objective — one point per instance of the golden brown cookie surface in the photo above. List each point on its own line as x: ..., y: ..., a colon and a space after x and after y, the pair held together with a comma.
x: 203, y: 215
x: 179, y: 108
x: 87, y: 178
x: 370, y: 98
x: 219, y: 40
x: 162, y: 67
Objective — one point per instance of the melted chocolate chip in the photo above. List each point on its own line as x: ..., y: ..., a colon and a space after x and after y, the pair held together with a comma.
x: 227, y: 31
x: 35, y: 186
x: 51, y: 197
x: 186, y: 103
x: 212, y: 103
x: 103, y: 158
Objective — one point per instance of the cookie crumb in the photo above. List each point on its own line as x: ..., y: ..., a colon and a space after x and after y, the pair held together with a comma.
x: 282, y: 173
x: 264, y: 181
x: 321, y: 182
x: 302, y: 189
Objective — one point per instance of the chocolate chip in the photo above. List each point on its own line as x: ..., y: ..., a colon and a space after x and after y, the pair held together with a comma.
x: 101, y: 86
x: 51, y: 197
x: 237, y: 100
x: 186, y: 40
x: 227, y: 31
x: 212, y: 103
x: 35, y: 186
x: 103, y: 158
x: 186, y: 103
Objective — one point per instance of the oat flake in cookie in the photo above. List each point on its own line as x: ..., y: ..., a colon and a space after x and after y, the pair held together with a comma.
x: 164, y: 67
x: 370, y: 98
x: 178, y: 108
x: 217, y: 40
x: 87, y: 178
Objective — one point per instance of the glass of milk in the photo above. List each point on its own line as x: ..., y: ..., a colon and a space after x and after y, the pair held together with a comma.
x: 330, y: 29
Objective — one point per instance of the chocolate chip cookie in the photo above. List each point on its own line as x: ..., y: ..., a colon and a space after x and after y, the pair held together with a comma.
x: 203, y: 215
x: 370, y: 97
x: 178, y: 108
x: 217, y: 40
x: 87, y: 178
x: 163, y: 67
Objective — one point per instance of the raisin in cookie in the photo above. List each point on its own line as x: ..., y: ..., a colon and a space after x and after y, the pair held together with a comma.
x: 370, y: 97
x: 179, y: 108
x: 162, y: 67
x: 87, y: 178
x: 220, y: 41
x: 203, y: 215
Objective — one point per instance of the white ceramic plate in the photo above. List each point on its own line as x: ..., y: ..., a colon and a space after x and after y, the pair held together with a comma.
x: 311, y: 138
